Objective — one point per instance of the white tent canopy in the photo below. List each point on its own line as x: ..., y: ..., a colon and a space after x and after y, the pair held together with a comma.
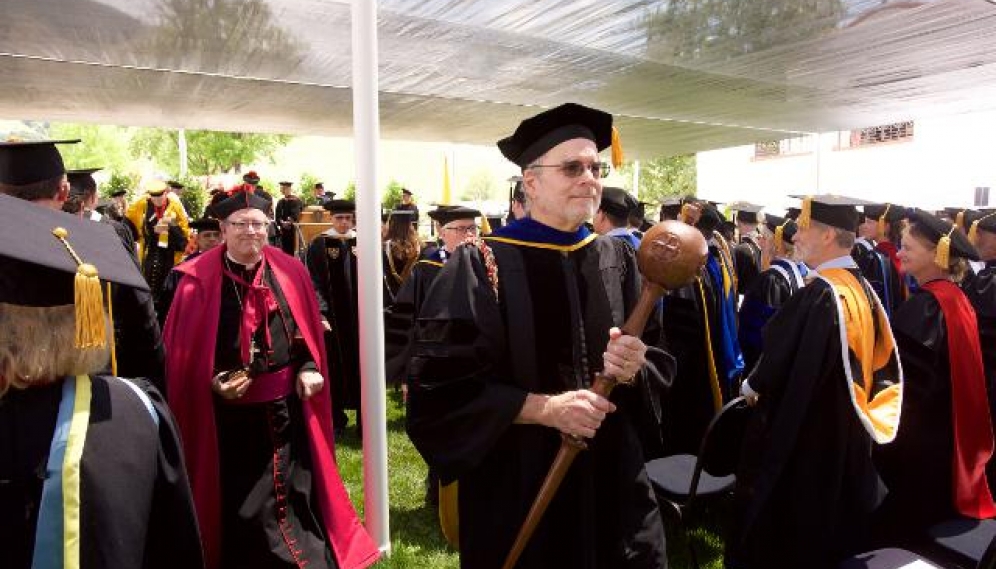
x: 680, y: 75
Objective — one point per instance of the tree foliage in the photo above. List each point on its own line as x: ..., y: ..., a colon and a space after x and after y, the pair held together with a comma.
x: 663, y: 177
x: 392, y: 195
x: 102, y: 146
x: 208, y: 152
x: 481, y: 187
x: 121, y: 181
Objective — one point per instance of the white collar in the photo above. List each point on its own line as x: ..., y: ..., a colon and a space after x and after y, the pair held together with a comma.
x: 228, y: 255
x: 842, y: 262
x: 331, y: 232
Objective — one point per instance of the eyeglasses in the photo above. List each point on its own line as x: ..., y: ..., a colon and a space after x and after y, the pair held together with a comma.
x: 576, y: 168
x: 463, y: 228
x: 242, y: 226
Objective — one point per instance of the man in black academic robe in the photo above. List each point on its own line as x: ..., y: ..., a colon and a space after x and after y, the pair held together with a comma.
x: 505, y: 347
x: 129, y: 503
x: 806, y: 484
x: 875, y: 264
x: 288, y: 213
x: 331, y: 260
x: 747, y: 252
x: 980, y: 288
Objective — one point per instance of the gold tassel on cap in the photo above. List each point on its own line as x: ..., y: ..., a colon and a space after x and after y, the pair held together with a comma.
x: 881, y: 221
x: 485, y: 225
x: 617, y: 150
x: 685, y: 214
x: 806, y: 215
x: 943, y: 256
x: 973, y: 232
x: 779, y: 236
x: 89, y: 301
x: 959, y: 220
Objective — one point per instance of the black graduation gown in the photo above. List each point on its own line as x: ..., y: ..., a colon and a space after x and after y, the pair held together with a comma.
x: 400, y: 317
x: 766, y: 295
x: 688, y: 404
x: 332, y: 265
x: 916, y: 466
x: 747, y: 260
x: 263, y: 450
x: 136, y: 506
x: 879, y: 271
x: 476, y: 359
x: 158, y: 261
x: 806, y: 484
x: 980, y: 289
x: 137, y: 330
x: 288, y: 213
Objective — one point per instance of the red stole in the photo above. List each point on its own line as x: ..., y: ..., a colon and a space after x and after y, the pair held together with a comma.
x: 189, y: 335
x: 973, y: 433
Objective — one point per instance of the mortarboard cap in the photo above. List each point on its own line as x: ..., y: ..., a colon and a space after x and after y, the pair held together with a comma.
x: 406, y: 191
x: 155, y: 187
x: 48, y: 258
x: 710, y: 219
x: 238, y: 200
x: 617, y: 202
x: 793, y: 212
x: 28, y: 162
x: 833, y: 210
x: 745, y: 212
x: 286, y: 183
x: 447, y: 213
x: 175, y: 185
x: 119, y: 193
x: 340, y: 206
x: 251, y: 177
x: 206, y: 224
x: 81, y: 181
x: 980, y: 221
x: 784, y: 228
x: 538, y: 134
x: 945, y: 235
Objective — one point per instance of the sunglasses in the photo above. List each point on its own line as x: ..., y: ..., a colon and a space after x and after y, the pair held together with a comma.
x: 576, y: 168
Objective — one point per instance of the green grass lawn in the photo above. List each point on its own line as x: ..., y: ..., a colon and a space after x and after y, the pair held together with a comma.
x: 416, y: 541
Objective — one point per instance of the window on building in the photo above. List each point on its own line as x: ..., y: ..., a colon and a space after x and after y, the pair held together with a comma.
x: 981, y: 197
x: 895, y: 132
x: 785, y: 147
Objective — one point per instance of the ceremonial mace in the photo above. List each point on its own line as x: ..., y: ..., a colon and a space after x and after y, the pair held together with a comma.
x: 670, y: 256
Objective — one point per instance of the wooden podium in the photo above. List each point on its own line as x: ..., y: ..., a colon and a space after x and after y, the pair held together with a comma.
x: 314, y: 220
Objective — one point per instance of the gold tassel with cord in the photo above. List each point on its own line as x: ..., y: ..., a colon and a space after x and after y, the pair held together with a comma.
x: 943, y: 256
x: 113, y: 342
x: 779, y: 236
x: 617, y: 150
x: 881, y: 222
x: 959, y: 220
x: 485, y: 225
x: 684, y: 215
x: 973, y: 232
x: 806, y: 215
x: 88, y: 299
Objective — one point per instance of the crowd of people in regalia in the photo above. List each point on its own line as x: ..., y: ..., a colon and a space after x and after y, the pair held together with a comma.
x: 172, y: 389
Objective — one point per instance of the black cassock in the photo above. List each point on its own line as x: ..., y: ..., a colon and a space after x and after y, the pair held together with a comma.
x: 136, y: 507
x: 806, y: 484
x: 747, y: 260
x: 288, y: 213
x: 879, y: 271
x: 916, y: 467
x: 980, y: 288
x: 476, y: 359
x: 332, y: 265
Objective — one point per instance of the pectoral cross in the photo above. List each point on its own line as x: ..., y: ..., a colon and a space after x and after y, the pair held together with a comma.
x: 253, y: 351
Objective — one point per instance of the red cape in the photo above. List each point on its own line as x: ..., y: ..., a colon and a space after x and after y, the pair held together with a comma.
x: 189, y: 335
x: 973, y: 431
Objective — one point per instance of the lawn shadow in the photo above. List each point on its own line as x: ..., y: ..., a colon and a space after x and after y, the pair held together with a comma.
x: 419, y: 526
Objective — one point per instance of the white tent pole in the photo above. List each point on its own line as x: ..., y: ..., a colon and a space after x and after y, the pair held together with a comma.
x: 366, y: 135
x: 636, y: 179
x: 817, y: 137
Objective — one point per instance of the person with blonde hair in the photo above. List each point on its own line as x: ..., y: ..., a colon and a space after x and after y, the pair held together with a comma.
x: 92, y: 470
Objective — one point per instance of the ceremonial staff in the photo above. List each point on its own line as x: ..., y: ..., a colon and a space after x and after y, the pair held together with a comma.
x: 670, y: 256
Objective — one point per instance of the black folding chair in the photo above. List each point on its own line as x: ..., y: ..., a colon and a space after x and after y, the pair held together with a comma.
x: 961, y: 544
x: 679, y: 479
